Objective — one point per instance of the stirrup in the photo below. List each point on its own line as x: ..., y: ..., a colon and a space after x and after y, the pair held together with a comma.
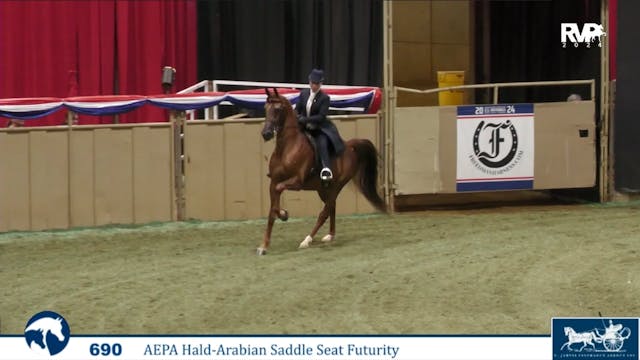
x: 326, y: 174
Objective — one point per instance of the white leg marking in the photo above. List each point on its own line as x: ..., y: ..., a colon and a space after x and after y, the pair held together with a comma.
x: 328, y: 238
x: 306, y: 242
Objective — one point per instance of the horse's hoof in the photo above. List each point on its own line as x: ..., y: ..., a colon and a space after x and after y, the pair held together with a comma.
x: 306, y: 242
x: 328, y: 238
x: 261, y: 251
x: 283, y: 215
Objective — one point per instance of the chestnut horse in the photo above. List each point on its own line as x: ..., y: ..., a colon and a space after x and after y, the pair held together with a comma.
x: 292, y: 163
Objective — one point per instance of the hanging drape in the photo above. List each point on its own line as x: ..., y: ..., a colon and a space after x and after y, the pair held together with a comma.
x: 357, y: 99
x: 626, y: 125
x: 83, y: 48
x: 282, y: 40
x: 612, y: 37
x: 149, y: 35
x: 38, y: 52
x: 525, y: 46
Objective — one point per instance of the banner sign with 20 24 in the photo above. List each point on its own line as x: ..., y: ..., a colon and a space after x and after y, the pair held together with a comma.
x: 495, y: 147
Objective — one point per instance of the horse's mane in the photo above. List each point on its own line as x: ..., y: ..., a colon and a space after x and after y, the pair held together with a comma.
x: 287, y: 103
x: 288, y: 107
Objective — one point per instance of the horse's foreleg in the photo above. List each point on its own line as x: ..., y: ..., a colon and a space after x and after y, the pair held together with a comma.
x: 274, y: 210
x: 292, y: 183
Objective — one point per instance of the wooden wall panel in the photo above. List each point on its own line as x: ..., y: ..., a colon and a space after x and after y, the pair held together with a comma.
x: 204, y: 165
x: 49, y: 175
x: 15, y: 208
x: 82, y: 178
x: 113, y: 176
x: 152, y: 157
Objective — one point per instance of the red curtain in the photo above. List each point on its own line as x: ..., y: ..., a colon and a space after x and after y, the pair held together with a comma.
x: 37, y: 51
x: 150, y: 35
x: 68, y: 48
x: 96, y: 57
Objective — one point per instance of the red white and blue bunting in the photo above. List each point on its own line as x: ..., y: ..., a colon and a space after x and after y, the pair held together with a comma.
x: 366, y: 99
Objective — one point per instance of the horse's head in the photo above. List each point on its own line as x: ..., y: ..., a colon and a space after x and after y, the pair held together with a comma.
x: 275, y: 113
x: 56, y: 329
x: 567, y: 330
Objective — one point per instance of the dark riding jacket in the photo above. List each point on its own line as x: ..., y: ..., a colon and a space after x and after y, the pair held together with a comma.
x: 317, y: 119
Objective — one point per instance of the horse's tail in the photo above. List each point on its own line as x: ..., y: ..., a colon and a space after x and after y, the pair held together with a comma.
x: 367, y: 174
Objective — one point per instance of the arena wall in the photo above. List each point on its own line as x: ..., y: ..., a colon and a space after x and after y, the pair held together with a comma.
x: 65, y: 177
x: 425, y: 153
x: 60, y: 177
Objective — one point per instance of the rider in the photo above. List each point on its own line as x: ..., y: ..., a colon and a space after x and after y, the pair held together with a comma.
x: 312, y: 109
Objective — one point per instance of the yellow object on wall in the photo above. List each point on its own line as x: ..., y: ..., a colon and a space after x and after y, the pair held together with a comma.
x: 447, y: 79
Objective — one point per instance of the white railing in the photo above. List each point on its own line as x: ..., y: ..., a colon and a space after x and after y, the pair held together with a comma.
x: 212, y: 85
x: 497, y: 86
x: 205, y: 85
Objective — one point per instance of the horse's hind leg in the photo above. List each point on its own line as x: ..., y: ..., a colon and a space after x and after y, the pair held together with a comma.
x: 331, y: 202
x: 322, y: 217
x: 332, y: 223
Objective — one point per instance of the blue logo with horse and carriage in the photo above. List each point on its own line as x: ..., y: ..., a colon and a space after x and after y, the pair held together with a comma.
x: 595, y: 338
x: 47, y: 333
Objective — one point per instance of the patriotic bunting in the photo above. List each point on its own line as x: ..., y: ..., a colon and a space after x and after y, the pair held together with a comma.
x: 361, y: 99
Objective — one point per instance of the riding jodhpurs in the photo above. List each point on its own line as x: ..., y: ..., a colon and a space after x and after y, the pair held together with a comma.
x: 322, y: 142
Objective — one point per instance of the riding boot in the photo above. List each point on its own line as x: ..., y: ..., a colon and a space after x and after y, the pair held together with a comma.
x: 323, y: 149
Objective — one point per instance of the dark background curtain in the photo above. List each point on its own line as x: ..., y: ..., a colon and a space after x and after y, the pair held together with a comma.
x: 75, y: 48
x: 612, y: 36
x: 282, y: 40
x: 626, y: 119
x: 525, y: 46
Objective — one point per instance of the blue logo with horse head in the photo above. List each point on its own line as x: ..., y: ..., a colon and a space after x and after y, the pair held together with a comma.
x: 47, y: 333
x: 595, y: 338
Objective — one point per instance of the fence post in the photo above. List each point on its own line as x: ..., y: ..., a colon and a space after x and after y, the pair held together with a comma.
x: 72, y: 119
x: 177, y: 129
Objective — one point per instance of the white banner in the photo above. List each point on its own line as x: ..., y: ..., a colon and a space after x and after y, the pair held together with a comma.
x: 495, y: 146
x: 285, y: 347
x: 47, y: 335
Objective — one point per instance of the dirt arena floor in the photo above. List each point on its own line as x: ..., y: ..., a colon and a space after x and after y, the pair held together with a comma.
x: 504, y: 270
